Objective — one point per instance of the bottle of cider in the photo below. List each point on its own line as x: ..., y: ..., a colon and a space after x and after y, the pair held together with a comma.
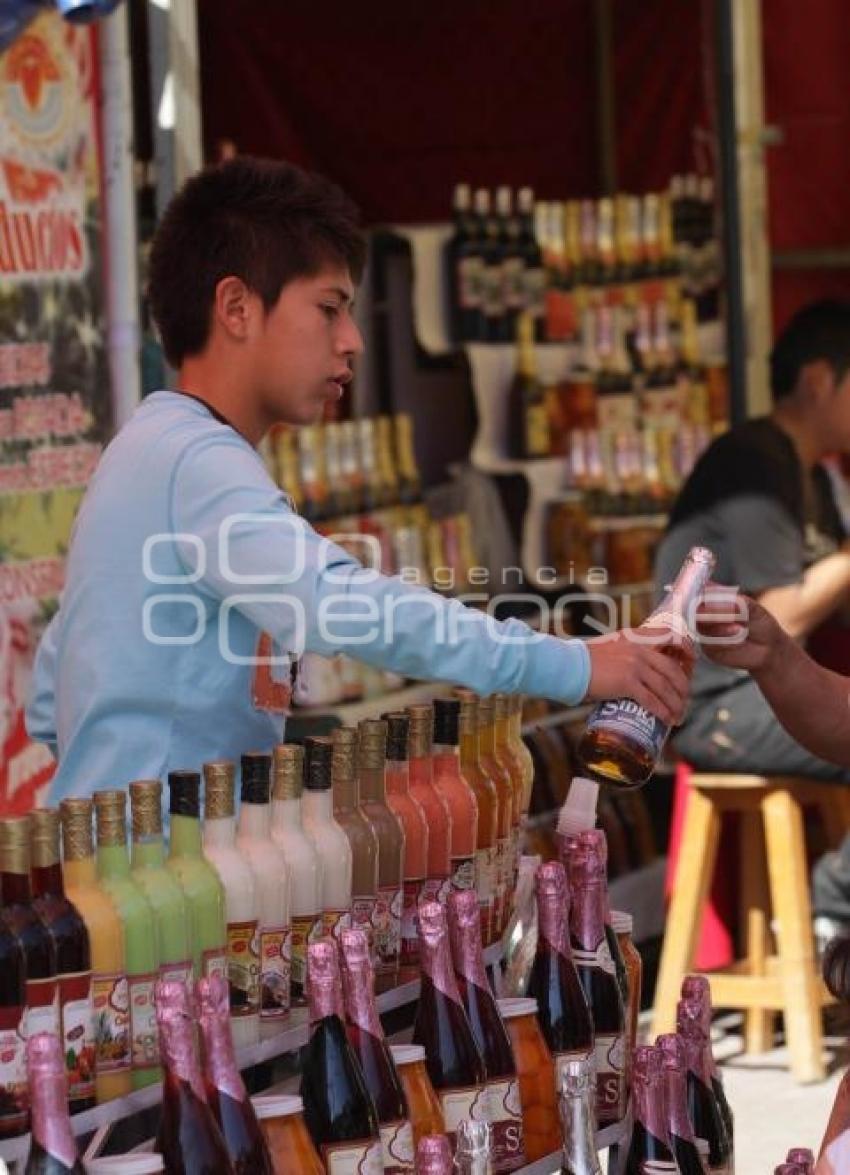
x: 366, y: 1036
x: 499, y: 774
x: 696, y: 997
x: 576, y: 1104
x: 487, y: 800
x: 326, y: 834
x: 412, y: 819
x: 674, y: 1074
x: 458, y: 795
x: 650, y: 1151
x: 703, y: 1107
x: 371, y: 769
x: 432, y: 802
x: 53, y: 1150
x: 622, y: 741
x: 360, y: 834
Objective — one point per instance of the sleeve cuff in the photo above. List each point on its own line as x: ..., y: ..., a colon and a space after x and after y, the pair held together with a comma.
x: 559, y: 670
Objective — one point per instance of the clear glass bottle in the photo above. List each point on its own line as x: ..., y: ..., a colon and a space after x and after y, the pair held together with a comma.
x: 305, y: 865
x: 371, y: 767
x: 474, y: 1147
x: 241, y: 907
x: 158, y: 884
x: 198, y: 879
x: 328, y: 837
x: 359, y: 832
x: 271, y: 878
x: 110, y: 991
x: 141, y: 937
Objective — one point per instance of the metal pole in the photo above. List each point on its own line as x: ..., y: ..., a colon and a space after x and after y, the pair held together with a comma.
x: 736, y: 337
x: 122, y: 283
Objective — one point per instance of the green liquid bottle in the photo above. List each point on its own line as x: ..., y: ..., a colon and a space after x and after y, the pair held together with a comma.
x: 141, y: 948
x: 158, y: 884
x: 198, y: 880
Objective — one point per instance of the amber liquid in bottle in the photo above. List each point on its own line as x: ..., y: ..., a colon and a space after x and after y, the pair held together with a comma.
x: 371, y: 765
x: 416, y: 836
x: 454, y: 1062
x: 366, y: 1035
x: 561, y: 1003
x: 360, y: 833
x: 189, y: 1137
x: 453, y: 787
x: 515, y: 769
x: 73, y: 957
x: 225, y: 1089
x: 486, y: 797
x: 498, y: 773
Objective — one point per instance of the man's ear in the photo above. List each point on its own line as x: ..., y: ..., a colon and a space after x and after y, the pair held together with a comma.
x: 816, y: 382
x: 235, y: 307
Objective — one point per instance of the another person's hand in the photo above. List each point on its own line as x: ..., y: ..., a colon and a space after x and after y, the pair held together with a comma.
x: 738, y: 633
x: 652, y: 666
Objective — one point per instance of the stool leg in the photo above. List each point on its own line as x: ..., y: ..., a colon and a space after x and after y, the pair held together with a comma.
x: 789, y: 887
x: 693, y: 879
x: 755, y: 904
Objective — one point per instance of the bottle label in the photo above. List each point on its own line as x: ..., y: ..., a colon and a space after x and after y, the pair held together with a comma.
x: 144, y: 1034
x: 506, y: 1122
x: 42, y: 1006
x: 469, y: 1101
x: 514, y: 285
x: 335, y: 921
x: 537, y: 438
x: 243, y: 968
x: 625, y: 717
x: 275, y: 969
x: 492, y: 292
x: 214, y: 962
x: 610, y: 1063
x: 436, y: 889
x: 469, y: 272
x: 397, y: 1148
x: 413, y: 889
x: 354, y: 1158
x: 535, y: 290
x: 13, y: 1070
x: 77, y: 1012
x: 463, y: 873
x: 363, y: 918
x: 176, y: 972
x: 111, y: 995
x: 599, y: 960
x: 306, y: 928
x: 386, y: 921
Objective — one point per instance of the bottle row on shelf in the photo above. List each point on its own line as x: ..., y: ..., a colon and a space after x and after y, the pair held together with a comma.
x: 553, y: 259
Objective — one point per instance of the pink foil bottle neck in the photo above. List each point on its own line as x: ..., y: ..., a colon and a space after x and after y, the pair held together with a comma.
x: 695, y: 1040
x: 434, y: 950
x: 325, y: 986
x: 51, y: 1126
x: 358, y: 980
x: 675, y: 1070
x: 587, y: 913
x: 433, y: 1155
x: 553, y: 906
x: 223, y: 1072
x: 464, y: 916
x: 177, y: 1034
x: 649, y: 1092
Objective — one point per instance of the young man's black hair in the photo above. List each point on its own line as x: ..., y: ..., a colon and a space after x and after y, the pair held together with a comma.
x: 820, y: 330
x: 263, y: 221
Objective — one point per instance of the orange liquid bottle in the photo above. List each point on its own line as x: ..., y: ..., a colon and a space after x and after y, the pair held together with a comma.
x: 449, y: 781
x: 432, y: 802
x: 487, y: 798
x: 500, y: 776
x: 415, y: 825
x: 510, y: 762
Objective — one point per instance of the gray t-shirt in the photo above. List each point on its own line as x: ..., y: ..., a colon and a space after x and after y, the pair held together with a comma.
x: 751, y: 502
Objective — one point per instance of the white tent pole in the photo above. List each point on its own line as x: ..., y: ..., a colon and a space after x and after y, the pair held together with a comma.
x: 122, y: 277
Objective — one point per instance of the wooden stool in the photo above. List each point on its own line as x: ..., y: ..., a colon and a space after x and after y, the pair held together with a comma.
x: 774, y: 874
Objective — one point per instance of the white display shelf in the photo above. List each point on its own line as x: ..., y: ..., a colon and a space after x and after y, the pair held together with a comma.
x: 350, y: 713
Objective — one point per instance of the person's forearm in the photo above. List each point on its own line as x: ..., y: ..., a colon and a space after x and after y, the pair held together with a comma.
x: 800, y: 608
x: 812, y: 703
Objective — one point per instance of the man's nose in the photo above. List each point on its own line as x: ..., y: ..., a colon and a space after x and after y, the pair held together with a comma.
x: 350, y: 340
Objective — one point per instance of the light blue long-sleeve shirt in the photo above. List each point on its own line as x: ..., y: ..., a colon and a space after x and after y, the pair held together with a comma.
x: 183, y: 552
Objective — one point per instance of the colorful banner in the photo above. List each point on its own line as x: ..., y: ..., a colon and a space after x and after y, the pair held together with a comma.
x: 54, y: 385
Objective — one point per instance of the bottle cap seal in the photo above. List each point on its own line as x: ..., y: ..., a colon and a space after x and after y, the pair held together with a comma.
x: 319, y: 757
x: 256, y: 770
x: 184, y: 793
x: 421, y: 736
x: 407, y: 1054
x: 277, y: 1105
x: 219, y: 786
x: 76, y: 816
x: 288, y: 771
x: 446, y: 721
x: 146, y: 807
x: 110, y: 817
x: 371, y: 744
x: 44, y: 837
x: 398, y: 736
x: 514, y: 1006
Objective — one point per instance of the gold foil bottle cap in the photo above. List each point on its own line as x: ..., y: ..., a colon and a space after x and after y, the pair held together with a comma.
x: 44, y: 837
x: 146, y: 807
x: 372, y: 744
x: 344, y: 764
x: 219, y: 788
x: 421, y: 717
x: 502, y: 702
x: 15, y: 844
x: 468, y: 720
x: 288, y: 771
x: 76, y: 814
x: 110, y: 817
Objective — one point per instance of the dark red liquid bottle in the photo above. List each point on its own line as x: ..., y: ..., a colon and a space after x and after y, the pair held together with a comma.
x: 189, y: 1138
x: 697, y: 993
x: 562, y: 1007
x: 338, y: 1108
x: 366, y: 1034
x: 73, y: 958
x: 650, y: 1152
x: 226, y: 1091
x: 703, y: 1107
x: 452, y: 1058
x: 491, y: 1036
x: 675, y: 1077
x: 598, y: 977
x: 53, y: 1150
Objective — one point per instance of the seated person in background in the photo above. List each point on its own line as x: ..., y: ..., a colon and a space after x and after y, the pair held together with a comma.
x: 760, y: 499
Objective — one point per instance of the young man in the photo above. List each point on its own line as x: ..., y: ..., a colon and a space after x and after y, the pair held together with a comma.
x: 760, y: 499
x: 185, y: 551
